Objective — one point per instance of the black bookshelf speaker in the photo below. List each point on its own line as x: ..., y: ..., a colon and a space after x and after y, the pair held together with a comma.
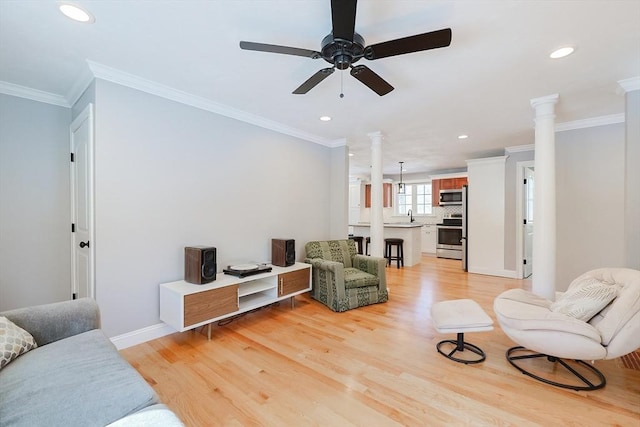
x: 200, y: 264
x: 283, y: 252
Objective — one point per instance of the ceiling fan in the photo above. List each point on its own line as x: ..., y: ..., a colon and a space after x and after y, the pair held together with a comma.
x: 344, y: 47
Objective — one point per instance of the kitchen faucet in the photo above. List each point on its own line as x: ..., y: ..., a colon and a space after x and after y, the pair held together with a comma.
x: 410, y: 214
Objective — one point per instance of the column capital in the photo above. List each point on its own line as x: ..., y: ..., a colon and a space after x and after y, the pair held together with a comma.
x: 628, y: 85
x: 377, y: 135
x: 544, y: 100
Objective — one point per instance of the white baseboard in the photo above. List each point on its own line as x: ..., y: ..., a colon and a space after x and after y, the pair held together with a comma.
x: 142, y: 335
x: 512, y: 274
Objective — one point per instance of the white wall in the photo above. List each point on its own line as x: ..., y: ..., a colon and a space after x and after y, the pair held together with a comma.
x: 339, y: 209
x: 169, y: 176
x: 486, y: 217
x: 35, y: 224
x: 590, y: 170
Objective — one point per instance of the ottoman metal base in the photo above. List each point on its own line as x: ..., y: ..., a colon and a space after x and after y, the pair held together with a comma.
x: 460, y: 346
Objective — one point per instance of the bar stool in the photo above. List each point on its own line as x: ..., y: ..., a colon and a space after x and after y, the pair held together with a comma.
x: 367, y: 240
x: 389, y: 243
x: 358, y: 241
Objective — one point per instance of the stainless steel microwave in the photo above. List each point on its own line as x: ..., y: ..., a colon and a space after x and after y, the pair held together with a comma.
x: 450, y: 197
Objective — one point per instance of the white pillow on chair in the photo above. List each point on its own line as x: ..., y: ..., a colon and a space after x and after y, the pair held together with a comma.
x: 585, y: 299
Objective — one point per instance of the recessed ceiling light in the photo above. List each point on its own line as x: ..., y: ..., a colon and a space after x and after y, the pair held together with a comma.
x: 325, y: 118
x: 351, y: 154
x: 561, y: 52
x: 76, y: 13
x: 463, y: 136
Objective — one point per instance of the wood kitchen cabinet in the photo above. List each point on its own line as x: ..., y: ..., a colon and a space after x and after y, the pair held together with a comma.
x: 445, y: 184
x: 387, y: 195
x: 435, y: 192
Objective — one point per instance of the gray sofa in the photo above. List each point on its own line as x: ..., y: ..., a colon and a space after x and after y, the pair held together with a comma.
x: 75, y: 377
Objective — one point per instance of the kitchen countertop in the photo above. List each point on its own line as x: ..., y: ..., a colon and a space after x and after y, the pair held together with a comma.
x: 390, y: 224
x: 409, y: 232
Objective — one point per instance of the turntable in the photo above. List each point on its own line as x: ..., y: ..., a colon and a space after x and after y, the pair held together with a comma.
x: 244, y: 270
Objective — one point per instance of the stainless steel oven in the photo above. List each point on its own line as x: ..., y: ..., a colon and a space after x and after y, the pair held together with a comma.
x: 449, y: 239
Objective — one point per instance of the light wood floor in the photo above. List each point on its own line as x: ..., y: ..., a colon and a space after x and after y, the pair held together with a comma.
x: 373, y: 366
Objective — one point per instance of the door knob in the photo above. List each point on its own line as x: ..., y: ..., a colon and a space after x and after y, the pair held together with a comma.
x: 83, y: 244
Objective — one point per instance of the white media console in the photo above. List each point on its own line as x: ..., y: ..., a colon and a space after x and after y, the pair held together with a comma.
x: 186, y: 306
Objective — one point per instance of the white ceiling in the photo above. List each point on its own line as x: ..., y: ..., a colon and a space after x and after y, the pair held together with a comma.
x: 481, y: 85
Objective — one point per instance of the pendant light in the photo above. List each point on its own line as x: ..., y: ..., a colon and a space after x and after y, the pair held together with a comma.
x: 401, y: 184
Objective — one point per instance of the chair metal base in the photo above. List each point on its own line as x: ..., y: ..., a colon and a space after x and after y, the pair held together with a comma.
x: 580, y: 370
x: 460, y: 345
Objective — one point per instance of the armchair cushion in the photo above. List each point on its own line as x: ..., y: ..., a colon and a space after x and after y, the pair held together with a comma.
x: 354, y: 278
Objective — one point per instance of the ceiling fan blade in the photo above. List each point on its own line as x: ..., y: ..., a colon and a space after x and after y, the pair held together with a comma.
x: 313, y: 81
x: 343, y: 17
x: 419, y: 42
x: 273, y: 48
x: 371, y: 79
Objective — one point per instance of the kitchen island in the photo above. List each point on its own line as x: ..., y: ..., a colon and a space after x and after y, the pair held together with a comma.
x: 409, y: 232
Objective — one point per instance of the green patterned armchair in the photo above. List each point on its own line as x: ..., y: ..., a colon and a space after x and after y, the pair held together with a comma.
x: 342, y: 279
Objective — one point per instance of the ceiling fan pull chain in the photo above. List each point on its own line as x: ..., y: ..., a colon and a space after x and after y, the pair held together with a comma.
x: 342, y: 84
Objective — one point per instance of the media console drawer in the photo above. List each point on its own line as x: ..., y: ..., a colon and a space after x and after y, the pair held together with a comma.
x: 210, y: 304
x: 293, y: 281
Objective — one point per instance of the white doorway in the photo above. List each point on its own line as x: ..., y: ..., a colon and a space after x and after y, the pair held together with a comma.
x: 524, y: 224
x: 82, y: 220
x: 354, y: 203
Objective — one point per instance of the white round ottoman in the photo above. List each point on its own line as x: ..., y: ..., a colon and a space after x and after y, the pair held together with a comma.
x: 460, y: 316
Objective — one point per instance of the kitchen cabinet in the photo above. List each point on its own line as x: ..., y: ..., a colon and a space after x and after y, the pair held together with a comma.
x: 387, y: 195
x: 445, y: 184
x: 429, y: 238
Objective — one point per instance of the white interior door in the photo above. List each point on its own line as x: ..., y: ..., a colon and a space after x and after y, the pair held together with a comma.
x: 82, y: 241
x: 527, y: 234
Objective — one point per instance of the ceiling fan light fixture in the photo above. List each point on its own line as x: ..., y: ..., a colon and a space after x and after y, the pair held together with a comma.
x: 76, y: 13
x: 343, y: 47
x: 562, y: 52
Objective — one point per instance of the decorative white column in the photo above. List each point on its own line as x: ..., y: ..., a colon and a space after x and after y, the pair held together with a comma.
x: 377, y: 226
x: 544, y: 204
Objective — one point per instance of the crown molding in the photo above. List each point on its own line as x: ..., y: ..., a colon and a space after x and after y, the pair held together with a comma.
x: 628, y: 85
x: 487, y: 160
x: 125, y: 79
x: 520, y: 148
x: 337, y: 142
x: 33, y: 94
x: 592, y: 122
x: 80, y: 86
